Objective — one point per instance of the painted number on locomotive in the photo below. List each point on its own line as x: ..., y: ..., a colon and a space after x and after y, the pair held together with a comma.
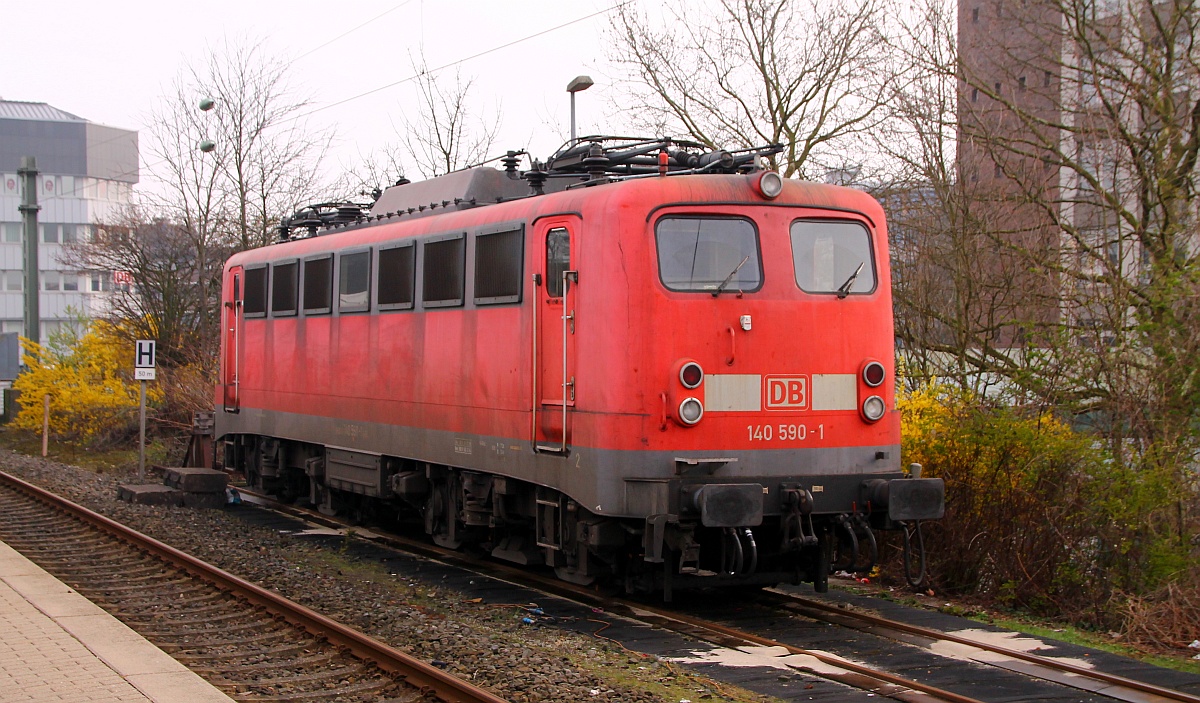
x: 784, y: 433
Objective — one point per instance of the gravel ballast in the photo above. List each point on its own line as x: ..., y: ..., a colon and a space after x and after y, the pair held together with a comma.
x: 487, y: 644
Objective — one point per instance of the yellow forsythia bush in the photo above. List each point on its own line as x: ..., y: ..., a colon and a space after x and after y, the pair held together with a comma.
x: 93, y: 397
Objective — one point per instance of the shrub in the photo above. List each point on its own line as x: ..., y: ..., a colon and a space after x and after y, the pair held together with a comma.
x: 88, y: 376
x: 1038, y: 516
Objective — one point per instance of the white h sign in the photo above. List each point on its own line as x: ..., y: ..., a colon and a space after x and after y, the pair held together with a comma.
x: 143, y: 360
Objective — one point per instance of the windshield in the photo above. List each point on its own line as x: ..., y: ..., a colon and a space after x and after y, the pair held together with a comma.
x: 827, y: 255
x: 702, y: 253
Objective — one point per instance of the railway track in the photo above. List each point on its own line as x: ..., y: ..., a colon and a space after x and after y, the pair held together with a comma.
x: 985, y: 670
x: 977, y: 646
x: 249, y: 642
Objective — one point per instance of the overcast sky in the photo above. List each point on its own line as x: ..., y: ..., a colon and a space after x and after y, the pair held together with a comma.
x: 109, y: 61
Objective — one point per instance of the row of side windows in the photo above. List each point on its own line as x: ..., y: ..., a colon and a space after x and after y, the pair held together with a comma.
x: 309, y: 284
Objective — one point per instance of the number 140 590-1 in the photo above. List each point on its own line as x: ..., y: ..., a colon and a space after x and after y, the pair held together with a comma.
x: 784, y: 432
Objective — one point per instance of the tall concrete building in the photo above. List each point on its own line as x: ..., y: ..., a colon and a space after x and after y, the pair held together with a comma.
x: 86, y: 174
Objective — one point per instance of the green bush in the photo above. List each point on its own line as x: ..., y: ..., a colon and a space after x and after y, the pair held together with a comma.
x: 1039, y: 516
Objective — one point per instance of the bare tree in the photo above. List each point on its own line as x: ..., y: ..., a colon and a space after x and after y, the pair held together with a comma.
x: 161, y: 291
x: 267, y: 154
x: 1086, y: 116
x: 808, y: 74
x: 264, y: 162
x: 193, y: 197
x: 447, y: 133
x: 371, y: 173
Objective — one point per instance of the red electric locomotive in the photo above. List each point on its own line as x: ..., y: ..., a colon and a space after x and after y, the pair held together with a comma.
x: 638, y: 361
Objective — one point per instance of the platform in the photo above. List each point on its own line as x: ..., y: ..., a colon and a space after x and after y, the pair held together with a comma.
x: 56, y: 645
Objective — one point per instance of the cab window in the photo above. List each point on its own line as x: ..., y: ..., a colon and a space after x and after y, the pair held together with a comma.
x: 828, y: 253
x: 707, y: 254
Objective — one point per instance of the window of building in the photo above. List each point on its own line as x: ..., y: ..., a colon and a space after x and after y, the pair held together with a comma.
x: 14, y: 280
x: 997, y: 172
x: 708, y: 254
x: 318, y: 285
x: 50, y: 280
x: 498, y: 257
x: 974, y: 95
x: 69, y: 234
x: 1021, y: 84
x: 397, y: 275
x: 975, y: 15
x: 13, y: 232
x: 443, y: 271
x: 354, y: 278
x: 50, y: 233
x: 283, y: 288
x: 254, y: 302
x: 832, y: 257
x: 997, y: 87
x: 70, y: 281
x: 1046, y: 79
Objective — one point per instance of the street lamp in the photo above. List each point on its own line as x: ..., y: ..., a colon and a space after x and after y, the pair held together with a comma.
x: 577, y: 84
x: 207, y: 145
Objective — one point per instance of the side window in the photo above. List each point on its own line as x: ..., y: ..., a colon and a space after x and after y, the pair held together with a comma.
x: 443, y: 272
x: 397, y: 273
x: 353, y: 279
x: 498, y: 257
x: 283, y: 289
x: 832, y: 257
x: 558, y: 259
x: 318, y: 285
x: 254, y: 304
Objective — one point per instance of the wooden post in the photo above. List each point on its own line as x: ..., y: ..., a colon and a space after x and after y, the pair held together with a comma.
x: 46, y: 425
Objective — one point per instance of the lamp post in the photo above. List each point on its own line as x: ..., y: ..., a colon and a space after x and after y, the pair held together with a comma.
x: 577, y: 84
x: 207, y: 145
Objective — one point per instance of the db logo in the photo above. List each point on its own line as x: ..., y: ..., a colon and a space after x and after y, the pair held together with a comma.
x: 787, y: 392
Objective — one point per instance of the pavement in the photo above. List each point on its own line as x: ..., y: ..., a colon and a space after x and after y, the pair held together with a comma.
x: 56, y: 645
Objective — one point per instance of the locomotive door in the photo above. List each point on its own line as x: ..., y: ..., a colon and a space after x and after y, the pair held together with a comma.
x: 231, y: 327
x: 555, y: 259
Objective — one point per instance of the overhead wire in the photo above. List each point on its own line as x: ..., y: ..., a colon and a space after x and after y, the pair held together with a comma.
x: 442, y: 67
x: 465, y: 59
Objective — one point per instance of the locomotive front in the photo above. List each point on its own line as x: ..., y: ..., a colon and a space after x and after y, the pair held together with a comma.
x: 760, y: 346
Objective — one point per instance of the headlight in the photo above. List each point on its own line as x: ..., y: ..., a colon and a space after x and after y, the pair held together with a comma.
x: 873, y: 408
x: 770, y: 184
x: 690, y: 411
x: 873, y: 374
x: 690, y: 375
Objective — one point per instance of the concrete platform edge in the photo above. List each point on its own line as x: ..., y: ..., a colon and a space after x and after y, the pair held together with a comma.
x: 146, y: 667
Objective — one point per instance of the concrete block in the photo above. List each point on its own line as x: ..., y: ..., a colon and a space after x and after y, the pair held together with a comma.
x: 149, y: 494
x: 204, y: 500
x: 196, y: 480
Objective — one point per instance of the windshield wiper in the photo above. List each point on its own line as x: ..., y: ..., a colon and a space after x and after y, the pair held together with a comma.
x: 730, y: 276
x: 844, y: 290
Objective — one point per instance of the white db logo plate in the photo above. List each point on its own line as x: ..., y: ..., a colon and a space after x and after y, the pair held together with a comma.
x: 786, y: 392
